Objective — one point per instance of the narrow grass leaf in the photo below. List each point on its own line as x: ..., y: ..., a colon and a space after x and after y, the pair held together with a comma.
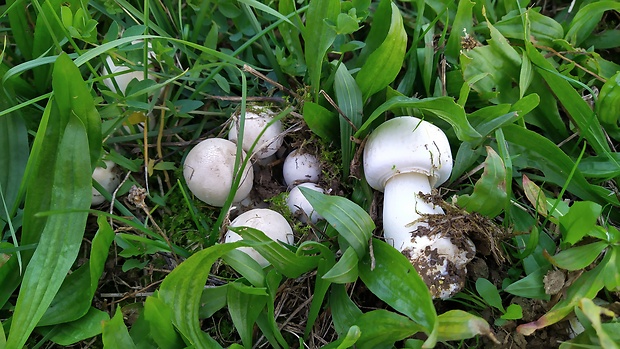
x: 318, y: 37
x: 384, y: 64
x: 321, y: 285
x: 395, y: 281
x: 14, y: 151
x: 115, y: 334
x: 443, y: 107
x: 349, y: 98
x: 455, y: 325
x: 21, y: 30
x: 260, y: 6
x: 535, y: 196
x: 61, y: 237
x: 182, y: 289
x: 350, y: 220
x: 267, y: 320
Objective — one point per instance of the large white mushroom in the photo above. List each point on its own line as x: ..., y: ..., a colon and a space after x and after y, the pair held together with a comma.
x: 256, y: 119
x: 405, y: 158
x: 270, y: 222
x: 209, y: 169
x: 109, y: 179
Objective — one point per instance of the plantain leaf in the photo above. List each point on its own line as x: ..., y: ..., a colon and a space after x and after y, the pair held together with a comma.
x: 344, y: 312
x: 579, y: 221
x: 349, y: 98
x: 444, y: 107
x: 115, y: 333
x: 351, y: 222
x: 81, y: 329
x: 319, y: 36
x: 321, y: 121
x: 384, y: 63
x: 394, y: 280
x: 159, y: 317
x: 182, y: 289
x: 578, y: 257
x: 345, y: 270
x: 587, y: 19
x: 455, y: 325
x: 245, y: 303
x: 381, y: 329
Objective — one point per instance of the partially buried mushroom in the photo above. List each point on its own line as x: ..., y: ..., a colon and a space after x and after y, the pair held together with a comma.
x: 258, y: 119
x: 209, y: 169
x: 405, y: 158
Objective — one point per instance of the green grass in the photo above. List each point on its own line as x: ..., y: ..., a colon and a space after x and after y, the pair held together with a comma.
x: 528, y: 98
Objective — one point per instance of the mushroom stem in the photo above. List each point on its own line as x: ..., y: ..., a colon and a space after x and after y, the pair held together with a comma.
x: 403, y: 207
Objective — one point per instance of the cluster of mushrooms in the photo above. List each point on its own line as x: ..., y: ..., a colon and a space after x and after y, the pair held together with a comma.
x: 405, y: 158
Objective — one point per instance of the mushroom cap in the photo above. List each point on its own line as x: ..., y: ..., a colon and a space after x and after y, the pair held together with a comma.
x: 256, y: 119
x: 300, y: 167
x: 270, y: 222
x: 209, y: 170
x: 407, y: 144
x: 297, y: 201
x: 122, y: 80
x: 108, y: 178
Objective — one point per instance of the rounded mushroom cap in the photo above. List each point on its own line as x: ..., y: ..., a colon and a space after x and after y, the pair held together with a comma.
x: 301, y: 167
x: 108, y: 178
x: 209, y: 170
x: 256, y: 119
x: 270, y: 222
x: 297, y: 201
x: 407, y: 144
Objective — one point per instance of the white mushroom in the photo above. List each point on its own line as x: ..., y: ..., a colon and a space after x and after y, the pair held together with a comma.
x: 256, y: 119
x: 108, y: 178
x: 405, y: 158
x: 124, y: 79
x: 300, y: 206
x: 301, y: 167
x: 209, y: 170
x: 270, y: 222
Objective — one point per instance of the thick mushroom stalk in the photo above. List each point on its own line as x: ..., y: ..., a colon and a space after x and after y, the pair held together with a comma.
x: 405, y: 158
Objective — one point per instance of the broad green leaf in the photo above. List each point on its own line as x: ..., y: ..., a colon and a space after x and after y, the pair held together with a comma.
x: 159, y: 317
x: 489, y: 293
x: 350, y: 220
x: 579, y: 221
x: 345, y: 270
x: 578, y: 257
x: 344, y: 312
x: 552, y: 161
x: 62, y: 235
x: 608, y: 101
x: 594, y: 313
x: 455, y: 325
x: 395, y: 281
x: 21, y: 29
x: 81, y: 329
x: 14, y: 151
x: 245, y: 303
x: 513, y: 312
x: 353, y: 335
x: 581, y: 113
x: 321, y: 121
x: 286, y: 262
x: 535, y: 196
x: 318, y: 37
x: 349, y: 99
x: 443, y: 107
x: 384, y: 63
x: 213, y: 299
x: 612, y: 269
x: 321, y: 285
x: 587, y: 19
x: 542, y: 29
x: 182, y: 289
x: 267, y: 319
x: 75, y: 296
x: 381, y: 329
x: 531, y: 286
x: 115, y: 334
x: 489, y: 189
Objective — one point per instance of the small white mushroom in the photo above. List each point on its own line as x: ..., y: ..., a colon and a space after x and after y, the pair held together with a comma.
x: 405, y: 158
x: 300, y: 206
x: 301, y: 167
x: 109, y: 179
x: 256, y: 119
x: 209, y: 169
x: 270, y: 222
x: 124, y: 79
